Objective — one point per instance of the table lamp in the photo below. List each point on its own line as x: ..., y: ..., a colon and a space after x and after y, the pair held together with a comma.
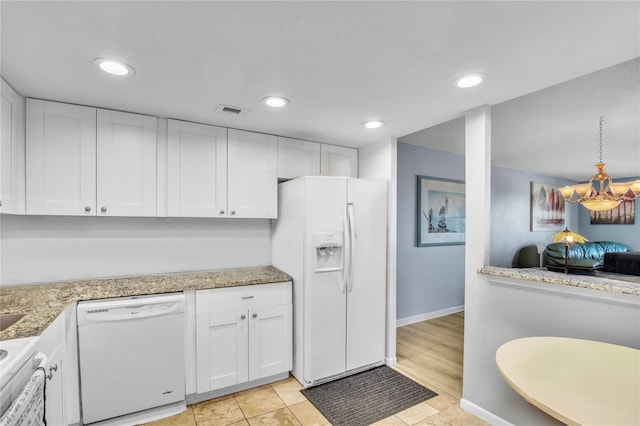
x: 569, y: 238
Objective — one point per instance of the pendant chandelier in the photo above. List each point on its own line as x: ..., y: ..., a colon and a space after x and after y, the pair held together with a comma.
x: 601, y: 193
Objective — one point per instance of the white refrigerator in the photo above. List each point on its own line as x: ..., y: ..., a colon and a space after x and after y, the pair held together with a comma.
x: 331, y: 238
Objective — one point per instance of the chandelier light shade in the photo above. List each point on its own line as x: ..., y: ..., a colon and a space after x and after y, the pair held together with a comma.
x: 601, y: 193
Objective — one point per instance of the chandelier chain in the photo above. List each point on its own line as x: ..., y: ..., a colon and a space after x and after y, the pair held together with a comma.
x: 601, y: 120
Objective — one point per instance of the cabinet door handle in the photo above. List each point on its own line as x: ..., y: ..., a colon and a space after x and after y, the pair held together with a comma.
x: 52, y: 368
x: 233, y: 212
x: 221, y: 212
x: 246, y: 297
x: 243, y: 316
x: 255, y: 315
x: 87, y: 209
x: 103, y: 209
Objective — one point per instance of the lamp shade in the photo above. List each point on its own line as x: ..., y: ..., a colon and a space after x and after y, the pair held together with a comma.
x: 568, y: 236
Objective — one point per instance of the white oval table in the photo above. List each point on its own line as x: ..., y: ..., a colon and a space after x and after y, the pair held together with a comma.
x: 579, y: 382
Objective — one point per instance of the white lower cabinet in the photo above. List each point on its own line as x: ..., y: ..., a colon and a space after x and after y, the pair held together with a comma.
x: 54, y: 397
x: 243, y: 334
x: 270, y: 344
x: 52, y: 343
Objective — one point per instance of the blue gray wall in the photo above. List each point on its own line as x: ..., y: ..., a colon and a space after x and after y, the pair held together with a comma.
x: 430, y: 280
x: 511, y: 215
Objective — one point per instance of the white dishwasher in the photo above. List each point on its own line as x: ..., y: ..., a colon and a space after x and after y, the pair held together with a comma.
x: 131, y: 353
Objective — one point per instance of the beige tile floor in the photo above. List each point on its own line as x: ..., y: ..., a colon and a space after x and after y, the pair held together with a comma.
x: 282, y: 403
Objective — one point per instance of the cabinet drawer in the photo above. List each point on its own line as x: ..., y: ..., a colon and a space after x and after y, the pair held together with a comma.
x: 244, y: 297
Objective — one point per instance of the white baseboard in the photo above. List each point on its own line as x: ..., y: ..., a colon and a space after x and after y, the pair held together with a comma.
x: 390, y: 361
x: 145, y: 416
x: 483, y: 414
x: 199, y: 397
x: 429, y: 315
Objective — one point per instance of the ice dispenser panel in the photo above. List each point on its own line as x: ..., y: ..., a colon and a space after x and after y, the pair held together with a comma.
x: 328, y: 251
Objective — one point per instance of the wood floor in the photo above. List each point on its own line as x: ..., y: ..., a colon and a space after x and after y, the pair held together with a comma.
x: 430, y: 352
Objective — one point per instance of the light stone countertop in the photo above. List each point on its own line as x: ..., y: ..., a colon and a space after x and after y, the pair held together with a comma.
x: 42, y: 303
x: 554, y: 374
x: 614, y: 283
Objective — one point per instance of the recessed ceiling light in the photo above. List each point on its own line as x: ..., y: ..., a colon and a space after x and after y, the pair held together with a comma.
x: 469, y: 80
x: 275, y: 101
x: 113, y: 67
x: 373, y: 124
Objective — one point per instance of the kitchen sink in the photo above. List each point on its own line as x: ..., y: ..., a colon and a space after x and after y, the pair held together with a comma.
x: 7, y: 320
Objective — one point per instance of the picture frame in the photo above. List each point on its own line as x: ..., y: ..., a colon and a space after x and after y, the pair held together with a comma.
x: 441, y: 211
x: 624, y: 214
x: 547, y: 208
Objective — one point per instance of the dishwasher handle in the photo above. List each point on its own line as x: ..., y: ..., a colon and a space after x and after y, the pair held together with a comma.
x: 131, y: 312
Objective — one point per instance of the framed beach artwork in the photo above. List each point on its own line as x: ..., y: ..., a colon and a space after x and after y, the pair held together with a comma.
x: 624, y: 214
x: 547, y: 208
x: 441, y: 212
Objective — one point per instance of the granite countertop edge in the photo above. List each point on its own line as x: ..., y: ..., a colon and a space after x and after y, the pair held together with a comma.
x: 42, y: 303
x: 549, y: 277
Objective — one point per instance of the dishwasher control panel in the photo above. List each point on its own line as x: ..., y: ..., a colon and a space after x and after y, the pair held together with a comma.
x: 124, y: 308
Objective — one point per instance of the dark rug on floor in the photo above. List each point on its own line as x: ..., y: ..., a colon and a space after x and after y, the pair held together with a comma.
x: 366, y: 397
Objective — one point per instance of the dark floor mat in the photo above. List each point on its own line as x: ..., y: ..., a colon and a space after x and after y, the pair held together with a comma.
x: 366, y: 397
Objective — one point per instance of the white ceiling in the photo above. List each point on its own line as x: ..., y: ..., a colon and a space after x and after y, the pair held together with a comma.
x: 341, y: 63
x: 555, y: 131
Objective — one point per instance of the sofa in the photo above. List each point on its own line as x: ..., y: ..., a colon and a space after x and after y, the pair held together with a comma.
x: 587, y: 256
x: 627, y: 262
x: 529, y: 256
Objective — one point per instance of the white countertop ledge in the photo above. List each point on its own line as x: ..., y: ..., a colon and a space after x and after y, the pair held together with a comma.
x: 627, y: 284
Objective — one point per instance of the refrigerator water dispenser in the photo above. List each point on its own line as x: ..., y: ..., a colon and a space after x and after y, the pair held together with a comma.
x: 328, y: 251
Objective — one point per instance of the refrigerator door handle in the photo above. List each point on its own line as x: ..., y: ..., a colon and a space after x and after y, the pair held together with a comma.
x: 351, y: 225
x: 347, y: 256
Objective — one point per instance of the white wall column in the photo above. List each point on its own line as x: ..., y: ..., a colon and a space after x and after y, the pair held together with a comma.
x: 477, y: 238
x: 380, y: 161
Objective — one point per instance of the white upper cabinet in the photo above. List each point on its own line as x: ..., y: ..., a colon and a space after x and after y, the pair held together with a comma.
x: 126, y: 159
x: 12, y: 152
x: 84, y: 161
x: 196, y: 170
x: 297, y: 158
x: 339, y: 161
x: 252, y: 175
x: 61, y: 158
